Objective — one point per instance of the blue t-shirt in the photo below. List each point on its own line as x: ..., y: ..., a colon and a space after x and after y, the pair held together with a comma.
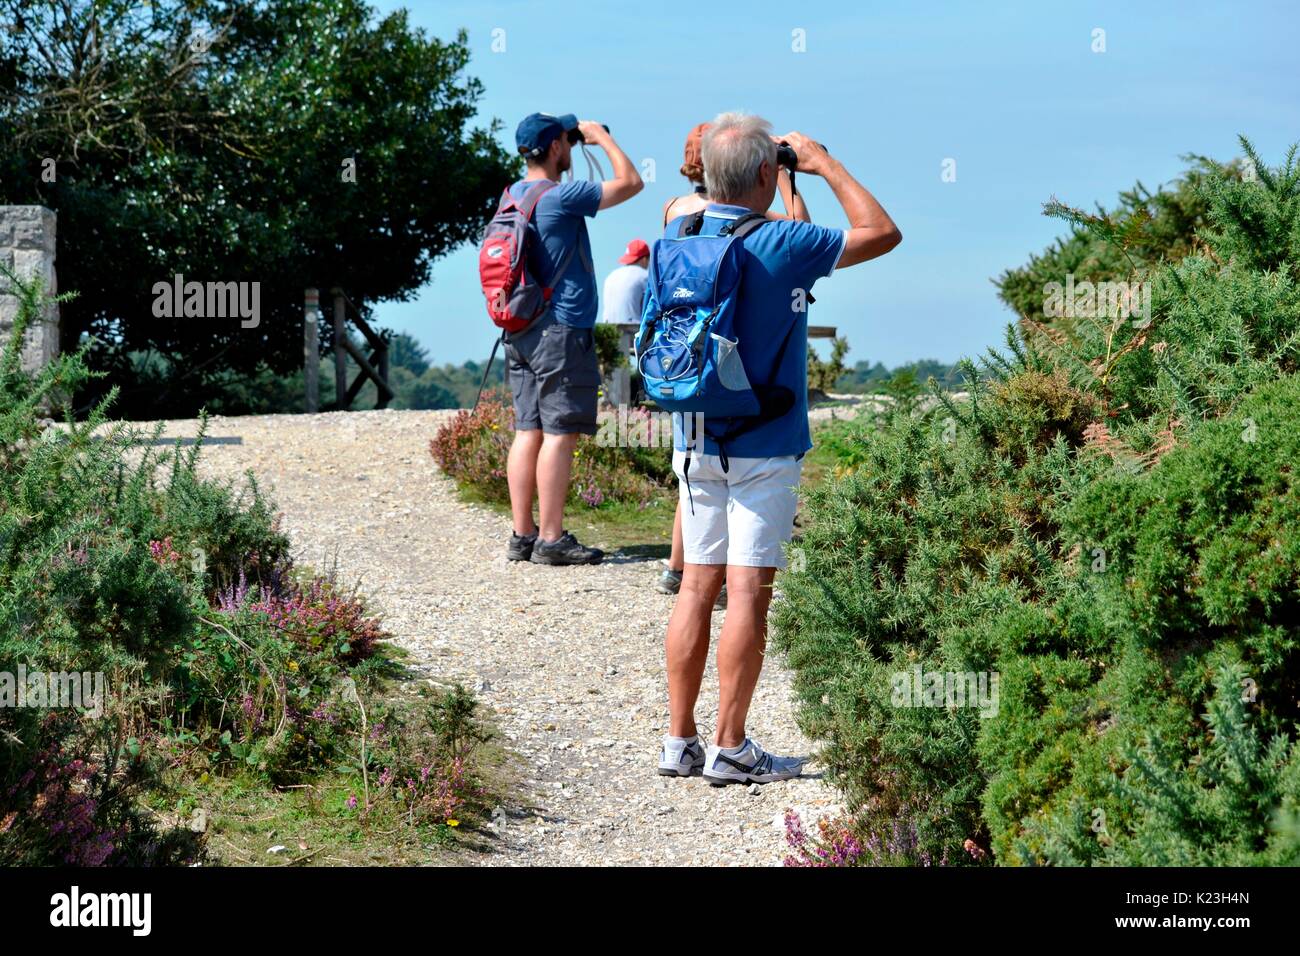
x: 780, y: 258
x: 559, y: 220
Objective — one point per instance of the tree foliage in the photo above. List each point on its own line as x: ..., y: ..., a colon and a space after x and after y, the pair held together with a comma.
x: 294, y: 143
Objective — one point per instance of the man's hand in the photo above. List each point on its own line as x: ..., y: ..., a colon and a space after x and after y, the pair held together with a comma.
x: 871, y: 232
x: 811, y: 155
x: 593, y: 133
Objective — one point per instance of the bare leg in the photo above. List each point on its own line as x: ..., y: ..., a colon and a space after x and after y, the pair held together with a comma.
x: 554, y: 463
x: 687, y: 645
x: 741, y: 648
x: 677, y: 557
x: 521, y: 475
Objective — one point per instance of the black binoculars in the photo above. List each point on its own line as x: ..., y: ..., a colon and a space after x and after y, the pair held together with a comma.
x: 787, y: 157
x: 576, y: 137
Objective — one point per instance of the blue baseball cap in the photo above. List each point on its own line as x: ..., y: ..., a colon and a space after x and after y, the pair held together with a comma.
x: 536, y: 131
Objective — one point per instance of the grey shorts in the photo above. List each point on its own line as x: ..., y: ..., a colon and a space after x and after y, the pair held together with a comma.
x: 554, y: 378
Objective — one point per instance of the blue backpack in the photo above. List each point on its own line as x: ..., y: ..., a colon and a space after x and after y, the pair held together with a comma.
x: 687, y: 349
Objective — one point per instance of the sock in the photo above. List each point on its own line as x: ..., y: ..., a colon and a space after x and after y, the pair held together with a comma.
x: 732, y: 751
x: 668, y: 739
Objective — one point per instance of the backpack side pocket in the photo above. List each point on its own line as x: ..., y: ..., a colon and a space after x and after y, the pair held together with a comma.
x: 731, y: 370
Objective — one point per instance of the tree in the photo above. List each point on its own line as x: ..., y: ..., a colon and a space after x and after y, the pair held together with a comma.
x: 405, y: 352
x: 293, y: 143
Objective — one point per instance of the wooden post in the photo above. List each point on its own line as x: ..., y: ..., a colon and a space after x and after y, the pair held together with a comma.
x: 311, y: 348
x: 340, y: 356
x: 384, y: 395
x: 621, y: 380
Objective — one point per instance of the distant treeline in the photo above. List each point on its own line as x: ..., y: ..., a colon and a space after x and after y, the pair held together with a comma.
x: 419, y: 384
x: 869, y: 377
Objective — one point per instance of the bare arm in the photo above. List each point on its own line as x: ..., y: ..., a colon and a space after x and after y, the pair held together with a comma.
x: 795, y: 208
x: 871, y: 232
x: 627, y: 181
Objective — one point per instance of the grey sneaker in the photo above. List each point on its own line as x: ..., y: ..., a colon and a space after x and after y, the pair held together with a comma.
x: 670, y: 582
x: 752, y: 765
x: 678, y: 759
x: 565, y: 550
x: 521, y: 546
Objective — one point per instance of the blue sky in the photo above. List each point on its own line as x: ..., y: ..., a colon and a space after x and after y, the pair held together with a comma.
x: 1013, y: 92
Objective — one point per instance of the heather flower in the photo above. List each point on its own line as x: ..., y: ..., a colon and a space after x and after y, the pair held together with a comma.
x: 834, y: 845
x: 163, y: 552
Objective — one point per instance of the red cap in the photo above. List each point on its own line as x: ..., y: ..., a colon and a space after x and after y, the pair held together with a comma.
x: 636, y: 249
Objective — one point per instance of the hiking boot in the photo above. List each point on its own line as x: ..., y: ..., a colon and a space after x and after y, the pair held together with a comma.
x: 566, y: 550
x: 680, y: 758
x: 521, y: 546
x: 750, y: 764
x: 670, y: 582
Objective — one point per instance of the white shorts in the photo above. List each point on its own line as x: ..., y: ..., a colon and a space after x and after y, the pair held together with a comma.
x: 741, y: 516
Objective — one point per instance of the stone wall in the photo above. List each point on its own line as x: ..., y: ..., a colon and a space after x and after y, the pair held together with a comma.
x: 27, y: 235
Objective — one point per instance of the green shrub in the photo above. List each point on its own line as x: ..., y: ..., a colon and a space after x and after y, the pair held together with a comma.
x: 472, y: 448
x: 822, y: 375
x: 215, y: 654
x: 609, y: 348
x: 1107, y: 525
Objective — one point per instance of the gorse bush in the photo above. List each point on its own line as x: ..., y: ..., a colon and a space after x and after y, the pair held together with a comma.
x: 1106, y: 527
x: 215, y: 654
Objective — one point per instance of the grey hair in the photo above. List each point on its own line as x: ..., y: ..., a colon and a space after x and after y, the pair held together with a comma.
x: 734, y: 148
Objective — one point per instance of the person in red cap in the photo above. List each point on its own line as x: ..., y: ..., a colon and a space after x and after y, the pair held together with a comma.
x: 625, y: 286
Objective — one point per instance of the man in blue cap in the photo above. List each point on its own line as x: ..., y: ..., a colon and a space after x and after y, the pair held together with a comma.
x: 552, y: 367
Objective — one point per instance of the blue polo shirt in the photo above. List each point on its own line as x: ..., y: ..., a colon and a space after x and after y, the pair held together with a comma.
x: 560, y: 220
x: 780, y: 257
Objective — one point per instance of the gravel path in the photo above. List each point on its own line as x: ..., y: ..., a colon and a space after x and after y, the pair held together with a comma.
x: 569, y: 659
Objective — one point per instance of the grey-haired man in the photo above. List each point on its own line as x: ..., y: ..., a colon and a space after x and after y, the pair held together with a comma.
x: 743, y: 506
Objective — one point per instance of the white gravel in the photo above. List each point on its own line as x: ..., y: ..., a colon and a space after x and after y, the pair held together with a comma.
x: 568, y: 660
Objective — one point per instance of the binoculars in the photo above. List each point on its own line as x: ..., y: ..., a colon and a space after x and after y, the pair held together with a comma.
x: 576, y: 137
x: 787, y: 157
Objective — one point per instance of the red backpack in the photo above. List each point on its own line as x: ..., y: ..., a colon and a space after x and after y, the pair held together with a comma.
x: 515, y: 299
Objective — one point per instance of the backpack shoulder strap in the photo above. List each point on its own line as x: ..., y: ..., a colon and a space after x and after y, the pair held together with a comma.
x: 533, y: 195
x: 740, y: 228
x: 527, y: 205
x: 691, y: 224
x: 563, y: 267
